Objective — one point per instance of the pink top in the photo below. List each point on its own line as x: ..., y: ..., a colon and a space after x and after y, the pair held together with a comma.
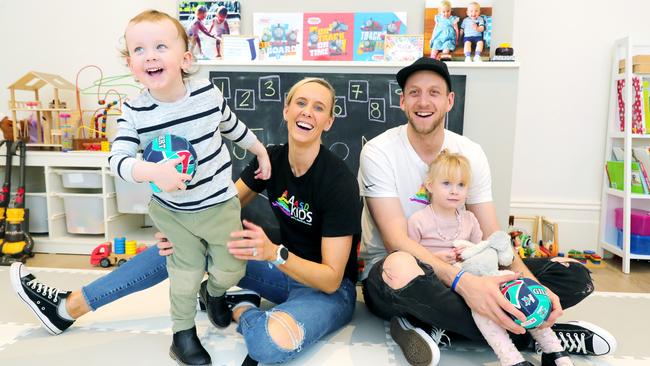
x: 423, y: 227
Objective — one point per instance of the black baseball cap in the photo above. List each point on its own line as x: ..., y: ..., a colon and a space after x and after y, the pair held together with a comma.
x: 424, y: 63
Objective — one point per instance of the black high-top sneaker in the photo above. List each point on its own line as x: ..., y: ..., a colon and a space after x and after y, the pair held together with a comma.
x: 233, y: 297
x: 242, y: 297
x: 42, y: 299
x: 218, y: 312
x: 418, y: 347
x: 583, y: 338
x: 186, y: 349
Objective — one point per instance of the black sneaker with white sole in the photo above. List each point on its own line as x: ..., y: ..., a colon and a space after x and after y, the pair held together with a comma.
x: 583, y: 338
x: 42, y: 299
x: 232, y: 297
x: 242, y: 296
x: 418, y: 347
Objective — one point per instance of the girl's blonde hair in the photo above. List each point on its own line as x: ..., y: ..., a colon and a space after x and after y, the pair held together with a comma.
x: 320, y: 81
x: 158, y: 16
x: 450, y: 166
x: 445, y: 4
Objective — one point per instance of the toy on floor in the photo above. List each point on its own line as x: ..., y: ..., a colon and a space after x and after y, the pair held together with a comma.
x: 587, y: 257
x: 104, y: 256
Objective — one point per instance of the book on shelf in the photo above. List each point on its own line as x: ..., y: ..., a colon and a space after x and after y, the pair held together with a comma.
x: 642, y: 155
x: 370, y: 30
x: 616, y: 173
x: 644, y: 178
x: 618, y: 153
x: 403, y: 47
x: 280, y: 35
x: 328, y: 36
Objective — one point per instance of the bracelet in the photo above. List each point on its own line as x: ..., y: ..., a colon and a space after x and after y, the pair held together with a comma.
x: 455, y: 282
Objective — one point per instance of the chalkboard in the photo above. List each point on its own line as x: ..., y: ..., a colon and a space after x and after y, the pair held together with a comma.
x: 366, y: 105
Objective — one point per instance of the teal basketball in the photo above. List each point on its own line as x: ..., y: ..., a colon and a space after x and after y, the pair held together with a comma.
x: 530, y: 298
x: 168, y: 146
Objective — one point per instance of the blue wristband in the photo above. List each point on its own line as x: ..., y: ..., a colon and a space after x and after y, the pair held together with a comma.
x: 458, y: 276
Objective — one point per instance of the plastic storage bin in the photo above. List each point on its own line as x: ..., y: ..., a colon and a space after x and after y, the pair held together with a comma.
x: 84, y: 213
x: 82, y: 179
x: 132, y: 197
x: 640, y: 223
x: 36, y: 203
x: 639, y: 244
x: 37, y: 206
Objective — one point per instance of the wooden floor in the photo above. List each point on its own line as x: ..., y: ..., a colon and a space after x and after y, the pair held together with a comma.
x: 606, y: 278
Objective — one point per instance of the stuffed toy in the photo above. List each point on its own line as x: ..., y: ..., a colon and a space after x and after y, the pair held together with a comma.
x: 484, y: 259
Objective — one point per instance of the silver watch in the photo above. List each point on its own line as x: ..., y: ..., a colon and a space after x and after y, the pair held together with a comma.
x: 281, y: 255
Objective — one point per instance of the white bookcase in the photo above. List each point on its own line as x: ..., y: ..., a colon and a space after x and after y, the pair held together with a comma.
x: 93, y: 216
x: 624, y: 49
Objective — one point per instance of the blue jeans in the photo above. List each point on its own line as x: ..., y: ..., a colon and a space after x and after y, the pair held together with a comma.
x: 316, y: 312
x: 139, y: 273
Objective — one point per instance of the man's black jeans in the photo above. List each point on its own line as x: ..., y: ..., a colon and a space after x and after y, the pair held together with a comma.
x: 427, y: 300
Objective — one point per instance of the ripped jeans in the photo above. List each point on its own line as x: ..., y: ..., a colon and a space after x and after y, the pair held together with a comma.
x: 316, y: 312
x: 427, y: 300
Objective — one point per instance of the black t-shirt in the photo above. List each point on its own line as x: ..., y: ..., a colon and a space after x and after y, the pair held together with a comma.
x: 324, y: 202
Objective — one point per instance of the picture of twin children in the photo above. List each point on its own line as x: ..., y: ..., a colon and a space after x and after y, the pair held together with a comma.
x: 457, y: 33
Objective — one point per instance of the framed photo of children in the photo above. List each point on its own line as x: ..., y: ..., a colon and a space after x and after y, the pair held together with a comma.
x: 206, y: 22
x: 458, y: 30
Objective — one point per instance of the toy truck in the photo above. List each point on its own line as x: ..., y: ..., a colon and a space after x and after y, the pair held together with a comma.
x: 104, y: 257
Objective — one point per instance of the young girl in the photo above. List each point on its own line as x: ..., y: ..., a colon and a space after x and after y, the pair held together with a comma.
x: 444, y: 220
x: 198, y: 214
x: 220, y: 26
x: 196, y: 27
x: 445, y: 32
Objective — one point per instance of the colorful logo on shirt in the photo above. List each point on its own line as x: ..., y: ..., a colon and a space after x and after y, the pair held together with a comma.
x: 421, y: 196
x: 293, y: 208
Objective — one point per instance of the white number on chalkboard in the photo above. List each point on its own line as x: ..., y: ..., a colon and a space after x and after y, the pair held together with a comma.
x: 340, y: 107
x: 377, y: 110
x: 223, y: 84
x: 395, y: 92
x: 245, y: 99
x: 340, y: 149
x: 269, y: 88
x: 358, y: 91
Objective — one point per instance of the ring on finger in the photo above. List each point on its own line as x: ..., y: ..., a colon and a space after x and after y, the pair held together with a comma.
x: 254, y: 254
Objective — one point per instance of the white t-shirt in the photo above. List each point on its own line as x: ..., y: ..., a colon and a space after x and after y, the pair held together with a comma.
x: 390, y: 167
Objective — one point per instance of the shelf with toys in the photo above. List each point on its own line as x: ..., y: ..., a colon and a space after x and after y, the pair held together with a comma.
x: 625, y: 203
x: 74, y: 198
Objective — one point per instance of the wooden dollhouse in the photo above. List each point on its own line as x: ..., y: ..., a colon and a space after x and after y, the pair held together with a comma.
x: 45, y: 116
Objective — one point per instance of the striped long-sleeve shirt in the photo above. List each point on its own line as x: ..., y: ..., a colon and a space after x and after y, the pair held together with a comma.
x: 202, y: 117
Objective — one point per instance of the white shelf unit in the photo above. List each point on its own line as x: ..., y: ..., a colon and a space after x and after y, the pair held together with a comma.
x: 44, y: 176
x: 624, y: 48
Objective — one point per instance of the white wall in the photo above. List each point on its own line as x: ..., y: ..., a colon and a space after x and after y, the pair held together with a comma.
x: 565, y: 51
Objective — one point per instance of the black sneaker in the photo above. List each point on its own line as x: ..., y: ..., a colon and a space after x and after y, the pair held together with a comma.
x: 582, y: 338
x: 232, y: 297
x: 242, y: 296
x: 418, y: 347
x: 43, y: 300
